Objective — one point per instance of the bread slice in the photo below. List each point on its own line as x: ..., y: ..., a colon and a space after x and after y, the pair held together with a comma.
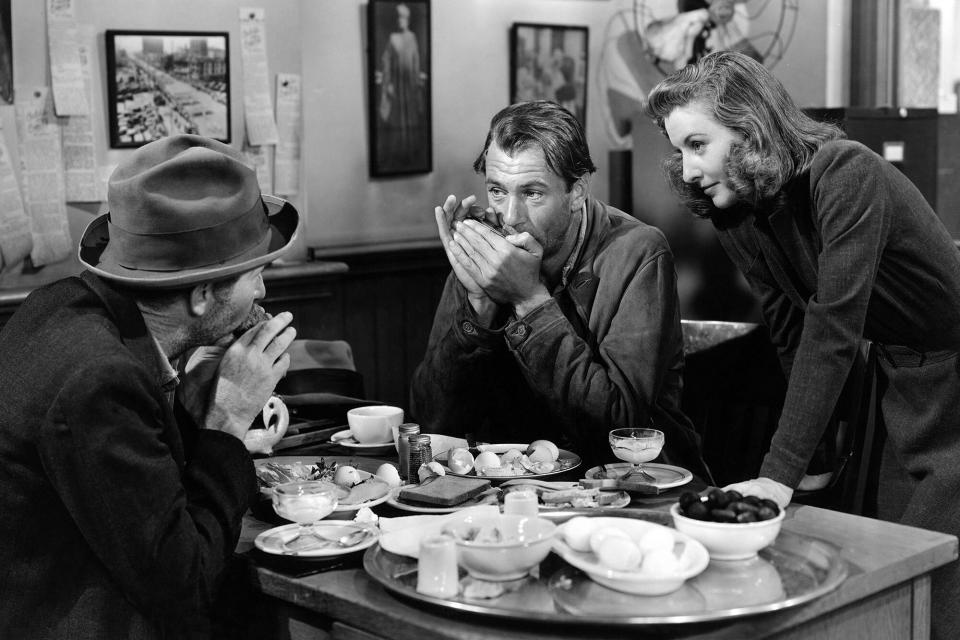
x: 444, y: 491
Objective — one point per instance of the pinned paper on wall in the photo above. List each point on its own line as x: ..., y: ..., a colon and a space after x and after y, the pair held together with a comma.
x: 15, y: 238
x: 63, y: 42
x: 287, y: 162
x: 41, y: 174
x: 260, y: 158
x: 257, y: 107
x: 81, y: 182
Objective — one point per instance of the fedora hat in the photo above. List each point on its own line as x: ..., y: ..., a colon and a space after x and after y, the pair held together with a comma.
x: 183, y: 210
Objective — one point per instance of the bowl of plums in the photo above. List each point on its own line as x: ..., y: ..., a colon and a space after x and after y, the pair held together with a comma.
x: 730, y: 525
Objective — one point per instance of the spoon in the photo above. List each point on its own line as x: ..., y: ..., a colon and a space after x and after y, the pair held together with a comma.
x: 345, y: 541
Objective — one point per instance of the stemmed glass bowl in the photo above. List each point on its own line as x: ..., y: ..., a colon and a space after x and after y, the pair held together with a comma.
x: 306, y: 503
x: 636, y: 446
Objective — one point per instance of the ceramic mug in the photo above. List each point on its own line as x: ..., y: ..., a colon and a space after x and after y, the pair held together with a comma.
x: 374, y: 424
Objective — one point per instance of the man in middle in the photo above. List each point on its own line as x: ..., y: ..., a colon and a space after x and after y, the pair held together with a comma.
x: 560, y: 319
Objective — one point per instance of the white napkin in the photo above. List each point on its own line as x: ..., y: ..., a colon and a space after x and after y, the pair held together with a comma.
x: 403, y: 535
x: 441, y: 443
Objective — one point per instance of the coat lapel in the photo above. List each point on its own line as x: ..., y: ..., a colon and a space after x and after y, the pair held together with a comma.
x: 790, y: 244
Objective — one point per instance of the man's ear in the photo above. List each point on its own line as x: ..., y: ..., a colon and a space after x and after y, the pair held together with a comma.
x: 578, y: 192
x: 201, y: 298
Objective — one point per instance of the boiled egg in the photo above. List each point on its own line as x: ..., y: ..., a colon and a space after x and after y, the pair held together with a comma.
x: 543, y: 451
x: 460, y: 460
x: 617, y: 551
x: 599, y: 534
x: 486, y: 460
x: 429, y: 469
x: 660, y: 563
x: 389, y: 474
x: 346, y: 476
x: 657, y: 539
x: 577, y: 532
x: 510, y: 456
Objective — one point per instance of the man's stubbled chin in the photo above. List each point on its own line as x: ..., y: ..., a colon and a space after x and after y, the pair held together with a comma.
x: 256, y: 316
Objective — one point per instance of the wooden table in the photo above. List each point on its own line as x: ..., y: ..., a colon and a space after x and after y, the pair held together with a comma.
x: 887, y: 595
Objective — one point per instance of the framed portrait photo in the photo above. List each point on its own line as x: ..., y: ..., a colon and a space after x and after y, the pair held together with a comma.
x: 401, y: 139
x: 549, y: 62
x: 163, y: 83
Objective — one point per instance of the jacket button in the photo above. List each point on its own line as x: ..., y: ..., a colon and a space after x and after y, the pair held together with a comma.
x: 520, y: 331
x: 468, y: 328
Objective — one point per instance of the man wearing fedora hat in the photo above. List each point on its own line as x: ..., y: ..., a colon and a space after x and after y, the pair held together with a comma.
x: 120, y: 508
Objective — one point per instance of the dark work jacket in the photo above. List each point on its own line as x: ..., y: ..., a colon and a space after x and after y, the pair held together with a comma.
x: 117, y: 520
x: 852, y: 252
x: 605, y: 352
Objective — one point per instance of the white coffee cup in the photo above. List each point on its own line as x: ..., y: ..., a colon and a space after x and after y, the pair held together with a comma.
x: 374, y: 424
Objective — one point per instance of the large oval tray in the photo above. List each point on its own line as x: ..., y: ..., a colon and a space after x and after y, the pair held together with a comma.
x: 794, y: 570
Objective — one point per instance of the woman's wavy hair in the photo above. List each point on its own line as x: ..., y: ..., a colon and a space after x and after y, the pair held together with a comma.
x: 778, y: 139
x: 543, y: 124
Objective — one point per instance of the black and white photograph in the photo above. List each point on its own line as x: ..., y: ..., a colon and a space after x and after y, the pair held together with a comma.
x: 549, y: 62
x: 166, y: 83
x: 399, y: 68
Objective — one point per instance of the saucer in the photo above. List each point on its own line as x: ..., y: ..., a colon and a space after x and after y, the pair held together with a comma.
x: 667, y: 476
x: 272, y: 540
x: 345, y: 439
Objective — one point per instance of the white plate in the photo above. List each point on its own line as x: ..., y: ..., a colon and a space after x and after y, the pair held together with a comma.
x: 667, y: 475
x: 693, y: 559
x: 623, y: 499
x: 308, y: 461
x: 487, y: 497
x: 568, y: 460
x: 272, y: 540
x: 379, y: 499
x: 345, y: 439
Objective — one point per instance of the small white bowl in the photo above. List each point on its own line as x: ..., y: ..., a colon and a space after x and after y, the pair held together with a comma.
x: 526, y: 541
x: 374, y: 424
x: 729, y: 540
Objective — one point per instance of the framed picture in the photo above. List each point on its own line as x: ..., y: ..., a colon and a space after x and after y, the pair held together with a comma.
x: 399, y: 75
x: 162, y: 83
x: 549, y: 62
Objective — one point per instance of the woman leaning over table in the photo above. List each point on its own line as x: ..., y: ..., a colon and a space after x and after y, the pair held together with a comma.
x: 839, y: 246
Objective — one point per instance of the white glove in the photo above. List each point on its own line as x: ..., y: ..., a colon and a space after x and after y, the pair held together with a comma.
x: 764, y: 488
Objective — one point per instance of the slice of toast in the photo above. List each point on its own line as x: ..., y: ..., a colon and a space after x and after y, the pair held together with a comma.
x: 444, y: 491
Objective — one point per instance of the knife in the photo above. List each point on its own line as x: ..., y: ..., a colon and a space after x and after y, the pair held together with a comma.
x: 614, y: 484
x: 545, y: 484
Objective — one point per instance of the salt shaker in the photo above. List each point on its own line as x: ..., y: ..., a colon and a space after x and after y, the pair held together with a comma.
x: 404, y: 431
x: 437, y: 573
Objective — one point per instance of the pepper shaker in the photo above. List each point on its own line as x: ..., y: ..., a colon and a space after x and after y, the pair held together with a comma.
x: 404, y: 431
x: 420, y: 453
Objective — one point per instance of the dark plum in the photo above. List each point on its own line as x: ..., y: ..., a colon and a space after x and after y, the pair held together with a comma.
x: 687, y: 498
x: 717, y: 505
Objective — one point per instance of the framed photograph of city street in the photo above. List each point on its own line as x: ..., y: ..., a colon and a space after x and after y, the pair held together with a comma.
x: 549, y: 62
x: 162, y: 83
x: 401, y: 139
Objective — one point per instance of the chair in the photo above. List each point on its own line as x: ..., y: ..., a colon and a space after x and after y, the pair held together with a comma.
x: 850, y: 441
x: 733, y: 392
x: 322, y: 382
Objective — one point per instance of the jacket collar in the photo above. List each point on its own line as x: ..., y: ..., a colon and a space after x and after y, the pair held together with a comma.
x: 130, y: 325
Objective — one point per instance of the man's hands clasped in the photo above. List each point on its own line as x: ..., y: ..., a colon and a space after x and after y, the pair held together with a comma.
x: 494, y: 269
x: 249, y: 371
